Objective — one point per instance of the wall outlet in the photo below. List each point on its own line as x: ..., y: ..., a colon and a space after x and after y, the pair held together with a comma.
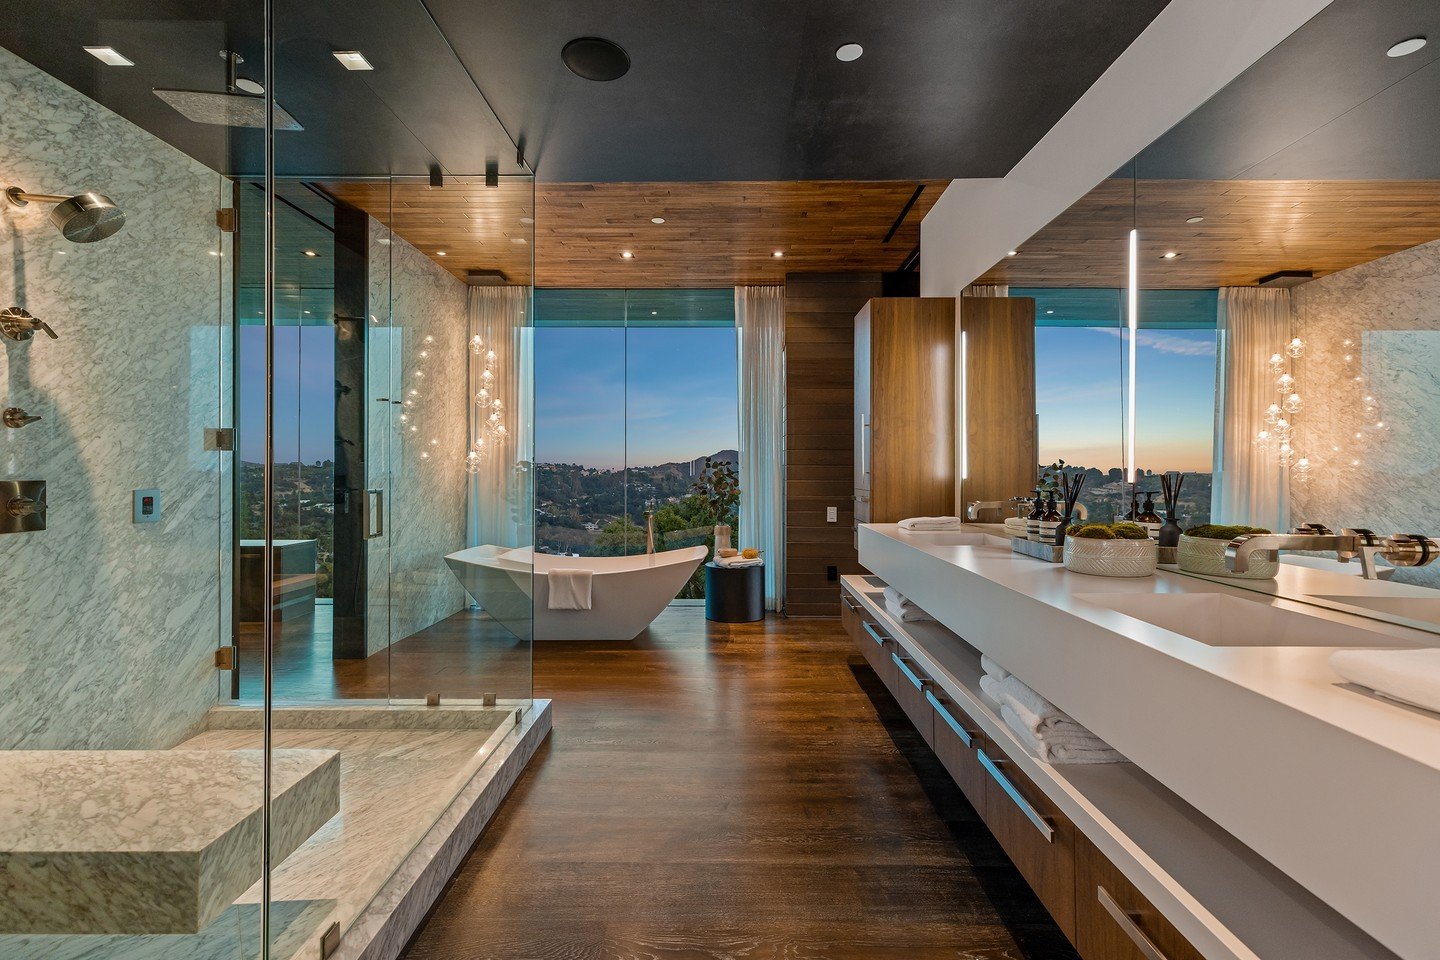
x: 832, y: 514
x: 832, y: 574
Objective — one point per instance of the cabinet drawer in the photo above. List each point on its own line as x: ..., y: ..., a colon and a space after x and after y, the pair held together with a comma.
x: 1039, y: 840
x: 909, y: 686
x: 1113, y: 921
x: 956, y: 740
x: 872, y: 643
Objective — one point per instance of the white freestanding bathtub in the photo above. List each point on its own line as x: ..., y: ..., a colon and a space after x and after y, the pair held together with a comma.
x: 626, y: 593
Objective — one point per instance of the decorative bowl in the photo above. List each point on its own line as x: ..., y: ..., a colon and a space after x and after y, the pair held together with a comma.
x: 1111, y: 558
x: 1207, y: 557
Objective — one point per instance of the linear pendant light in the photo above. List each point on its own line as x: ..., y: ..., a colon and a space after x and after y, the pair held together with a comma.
x: 1133, y: 303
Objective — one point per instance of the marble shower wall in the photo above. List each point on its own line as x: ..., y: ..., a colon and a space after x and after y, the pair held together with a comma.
x: 1371, y: 382
x: 108, y: 628
x: 422, y: 355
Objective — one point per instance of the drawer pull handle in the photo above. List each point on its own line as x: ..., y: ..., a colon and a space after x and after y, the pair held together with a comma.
x: 950, y: 721
x: 1144, y: 944
x: 992, y: 767
x: 850, y: 605
x: 910, y: 675
x: 874, y: 634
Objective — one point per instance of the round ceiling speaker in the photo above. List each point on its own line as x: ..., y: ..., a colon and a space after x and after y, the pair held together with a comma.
x: 595, y: 58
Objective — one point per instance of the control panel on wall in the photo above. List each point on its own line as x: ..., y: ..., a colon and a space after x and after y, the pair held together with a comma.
x: 146, y: 508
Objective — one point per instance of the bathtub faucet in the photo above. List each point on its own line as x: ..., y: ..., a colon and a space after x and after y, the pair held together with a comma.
x: 649, y: 531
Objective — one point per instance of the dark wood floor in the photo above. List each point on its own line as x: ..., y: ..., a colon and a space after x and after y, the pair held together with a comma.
x: 732, y: 792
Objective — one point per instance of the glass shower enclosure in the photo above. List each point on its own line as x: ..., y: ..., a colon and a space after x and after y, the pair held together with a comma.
x: 266, y: 373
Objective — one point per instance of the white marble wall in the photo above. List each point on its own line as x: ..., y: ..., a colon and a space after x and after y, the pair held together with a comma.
x: 1374, y: 439
x: 421, y: 346
x: 107, y: 628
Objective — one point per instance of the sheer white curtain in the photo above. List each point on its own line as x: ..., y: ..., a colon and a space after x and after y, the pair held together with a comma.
x: 986, y: 290
x: 1248, y: 484
x: 497, y: 507
x: 760, y: 329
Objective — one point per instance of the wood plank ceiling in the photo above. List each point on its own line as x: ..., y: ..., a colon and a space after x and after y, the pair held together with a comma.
x: 713, y: 235
x: 1251, y: 228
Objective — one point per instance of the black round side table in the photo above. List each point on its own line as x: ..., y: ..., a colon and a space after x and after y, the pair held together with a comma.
x: 734, y: 594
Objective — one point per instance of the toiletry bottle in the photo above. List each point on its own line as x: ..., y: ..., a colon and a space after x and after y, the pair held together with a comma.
x: 1032, y: 522
x: 1050, y: 522
x: 1148, y: 518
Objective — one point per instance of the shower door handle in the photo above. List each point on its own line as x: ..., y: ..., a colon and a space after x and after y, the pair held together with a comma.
x: 373, y: 520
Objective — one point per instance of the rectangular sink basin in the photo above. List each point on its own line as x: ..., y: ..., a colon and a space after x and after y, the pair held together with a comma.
x: 949, y: 539
x: 1219, y: 620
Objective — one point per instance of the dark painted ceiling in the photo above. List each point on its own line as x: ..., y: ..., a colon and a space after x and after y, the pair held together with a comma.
x: 1326, y: 104
x: 751, y: 89
x: 719, y: 90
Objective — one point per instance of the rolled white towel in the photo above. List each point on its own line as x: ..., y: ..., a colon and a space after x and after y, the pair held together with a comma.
x: 1045, y: 715
x: 895, y: 596
x: 1410, y: 676
x: 1058, y: 753
x: 992, y: 668
x: 923, y: 524
x: 909, y: 613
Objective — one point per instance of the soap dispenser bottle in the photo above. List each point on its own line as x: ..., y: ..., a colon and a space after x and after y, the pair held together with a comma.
x: 1049, y: 524
x: 1148, y: 518
x: 1037, y: 514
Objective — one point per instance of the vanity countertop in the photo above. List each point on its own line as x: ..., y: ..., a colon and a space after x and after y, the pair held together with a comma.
x: 1330, y: 783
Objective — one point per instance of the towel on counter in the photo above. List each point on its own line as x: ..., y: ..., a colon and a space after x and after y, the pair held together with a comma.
x: 739, y: 561
x: 993, y: 669
x: 1051, y: 751
x: 1410, y: 676
x: 569, y: 588
x: 922, y: 524
x: 902, y: 609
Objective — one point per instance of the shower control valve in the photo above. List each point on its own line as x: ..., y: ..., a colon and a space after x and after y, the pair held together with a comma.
x: 16, y: 417
x: 20, y: 325
x: 22, y: 506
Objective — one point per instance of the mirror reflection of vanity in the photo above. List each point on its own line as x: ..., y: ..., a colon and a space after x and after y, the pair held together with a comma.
x: 1284, y: 245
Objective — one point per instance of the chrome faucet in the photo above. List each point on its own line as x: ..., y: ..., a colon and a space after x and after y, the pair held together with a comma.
x: 1399, y: 549
x: 649, y: 531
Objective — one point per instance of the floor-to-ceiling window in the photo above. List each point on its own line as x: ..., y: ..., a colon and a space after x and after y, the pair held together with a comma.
x: 1080, y: 391
x: 637, y: 410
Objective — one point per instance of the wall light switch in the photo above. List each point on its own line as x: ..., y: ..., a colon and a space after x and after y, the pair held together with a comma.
x: 832, y: 514
x: 147, y: 506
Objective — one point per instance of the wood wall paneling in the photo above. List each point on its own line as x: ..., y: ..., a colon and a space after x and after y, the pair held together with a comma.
x: 1003, y: 452
x: 819, y: 439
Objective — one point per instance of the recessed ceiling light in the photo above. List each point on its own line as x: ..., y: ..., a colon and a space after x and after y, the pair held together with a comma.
x: 307, y: 313
x: 352, y: 60
x: 657, y: 219
x: 311, y: 253
x: 1406, y: 47
x: 1170, y: 255
x: 626, y: 254
x: 214, y: 253
x: 654, y: 313
x: 518, y: 240
x: 384, y: 241
x: 110, y: 56
x: 1013, y: 253
x: 249, y: 86
x: 595, y: 58
x: 778, y: 253
x: 1193, y: 219
x: 848, y: 52
x: 439, y: 253
x: 527, y: 220
x: 1049, y: 311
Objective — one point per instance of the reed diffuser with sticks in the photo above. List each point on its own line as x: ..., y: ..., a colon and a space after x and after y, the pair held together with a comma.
x: 1070, y: 487
x: 1170, y: 492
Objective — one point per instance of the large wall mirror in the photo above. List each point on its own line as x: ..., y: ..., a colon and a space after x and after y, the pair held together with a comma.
x: 1286, y: 357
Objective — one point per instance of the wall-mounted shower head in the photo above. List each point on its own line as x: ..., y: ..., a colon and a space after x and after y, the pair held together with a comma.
x: 84, y: 218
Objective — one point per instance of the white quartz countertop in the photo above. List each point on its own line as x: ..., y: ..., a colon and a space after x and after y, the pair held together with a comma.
x: 1333, y: 785
x: 146, y: 841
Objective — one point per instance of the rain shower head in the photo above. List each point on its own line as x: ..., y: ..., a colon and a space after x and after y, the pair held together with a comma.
x: 83, y: 218
x: 234, y: 107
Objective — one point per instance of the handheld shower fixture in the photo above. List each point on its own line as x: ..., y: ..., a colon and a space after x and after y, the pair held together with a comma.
x: 84, y: 218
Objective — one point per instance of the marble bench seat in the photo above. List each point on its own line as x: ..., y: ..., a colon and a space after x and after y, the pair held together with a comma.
x: 146, y: 841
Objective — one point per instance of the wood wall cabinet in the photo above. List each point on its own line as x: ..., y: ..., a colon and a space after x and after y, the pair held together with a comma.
x: 1000, y: 451
x: 904, y: 409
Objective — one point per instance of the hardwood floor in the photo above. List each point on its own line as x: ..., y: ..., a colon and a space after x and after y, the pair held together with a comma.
x: 732, y: 791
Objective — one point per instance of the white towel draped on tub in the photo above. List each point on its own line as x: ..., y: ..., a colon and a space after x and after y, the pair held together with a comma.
x: 1410, y: 676
x: 569, y: 588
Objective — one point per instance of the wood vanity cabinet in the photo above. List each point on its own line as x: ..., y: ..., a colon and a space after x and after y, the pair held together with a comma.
x: 904, y: 409
x: 869, y: 639
x: 957, y: 739
x: 1113, y: 921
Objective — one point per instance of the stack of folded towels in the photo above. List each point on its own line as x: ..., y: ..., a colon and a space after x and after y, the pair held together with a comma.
x: 930, y: 524
x: 739, y: 560
x: 1052, y: 734
x: 902, y: 609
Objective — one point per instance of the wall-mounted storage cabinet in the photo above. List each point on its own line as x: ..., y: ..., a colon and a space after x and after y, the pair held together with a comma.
x: 904, y: 409
x: 999, y: 449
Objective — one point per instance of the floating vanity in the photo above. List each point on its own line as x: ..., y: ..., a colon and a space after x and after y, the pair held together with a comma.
x: 146, y: 841
x: 1269, y: 810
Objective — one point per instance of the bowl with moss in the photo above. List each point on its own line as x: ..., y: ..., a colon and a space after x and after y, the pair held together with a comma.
x: 1202, y: 550
x: 1110, y: 550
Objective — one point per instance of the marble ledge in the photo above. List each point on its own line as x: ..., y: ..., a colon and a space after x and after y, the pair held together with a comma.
x: 147, y: 841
